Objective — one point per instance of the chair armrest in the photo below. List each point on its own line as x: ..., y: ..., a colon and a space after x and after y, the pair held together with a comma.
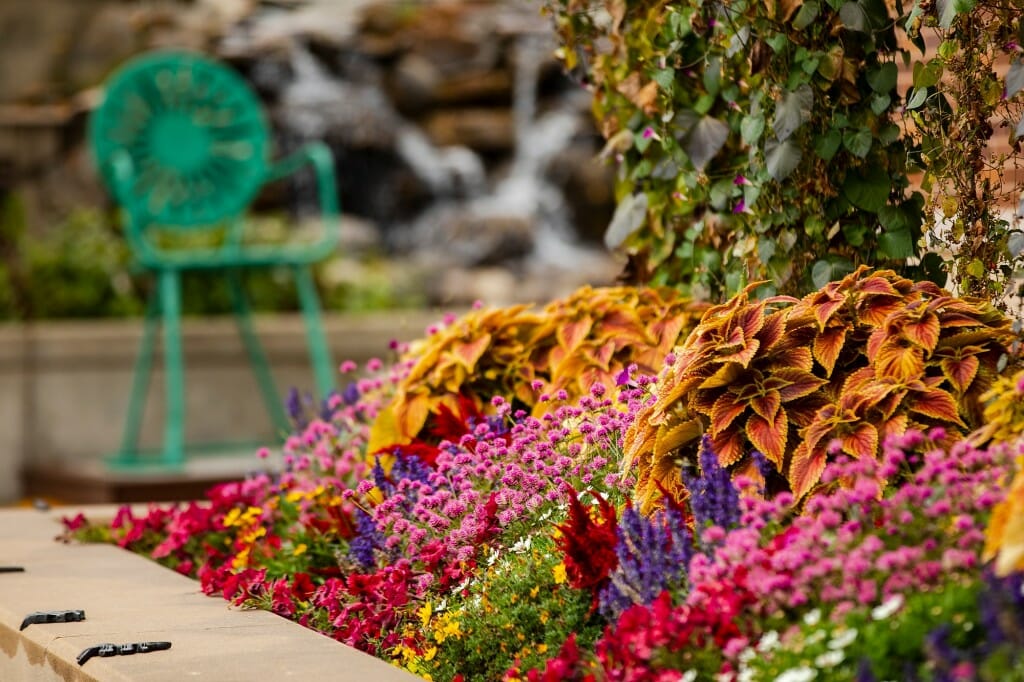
x: 123, y: 177
x: 319, y: 156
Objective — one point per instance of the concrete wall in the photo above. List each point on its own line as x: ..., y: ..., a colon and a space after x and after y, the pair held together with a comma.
x: 64, y: 386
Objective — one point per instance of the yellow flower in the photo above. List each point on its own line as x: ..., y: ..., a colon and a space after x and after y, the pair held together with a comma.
x: 295, y: 496
x: 541, y: 648
x: 424, y: 613
x: 559, y: 571
x: 534, y: 591
x: 429, y: 654
x: 241, y: 559
x: 447, y: 626
x: 251, y: 513
x: 231, y: 518
x: 300, y: 549
x: 544, y: 616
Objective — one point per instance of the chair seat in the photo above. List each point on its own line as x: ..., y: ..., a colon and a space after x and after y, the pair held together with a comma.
x: 255, y: 256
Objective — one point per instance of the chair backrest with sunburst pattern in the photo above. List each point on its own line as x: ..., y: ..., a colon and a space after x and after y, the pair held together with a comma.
x: 194, y: 133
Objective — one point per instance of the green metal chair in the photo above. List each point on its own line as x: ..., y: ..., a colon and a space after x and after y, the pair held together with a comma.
x: 182, y: 144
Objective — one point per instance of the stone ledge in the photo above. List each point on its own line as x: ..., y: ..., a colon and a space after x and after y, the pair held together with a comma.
x: 128, y: 598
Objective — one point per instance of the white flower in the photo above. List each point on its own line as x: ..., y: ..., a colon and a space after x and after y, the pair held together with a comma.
x: 522, y: 545
x: 843, y: 639
x: 689, y: 676
x: 813, y: 617
x: 801, y: 674
x: 888, y: 607
x: 769, y: 641
x: 747, y: 655
x: 829, y: 659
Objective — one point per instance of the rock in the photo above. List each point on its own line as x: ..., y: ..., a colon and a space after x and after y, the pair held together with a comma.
x: 108, y: 38
x: 413, y: 83
x: 588, y: 185
x: 460, y: 287
x: 482, y: 129
x: 481, y: 87
x: 457, y: 236
x: 35, y: 34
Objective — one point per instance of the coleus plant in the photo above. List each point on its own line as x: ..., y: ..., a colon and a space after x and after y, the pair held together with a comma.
x: 867, y: 356
x: 521, y: 354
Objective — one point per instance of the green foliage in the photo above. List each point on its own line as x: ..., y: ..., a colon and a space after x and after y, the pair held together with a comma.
x: 867, y: 642
x: 956, y: 105
x: 82, y: 268
x: 516, y: 613
x: 755, y: 139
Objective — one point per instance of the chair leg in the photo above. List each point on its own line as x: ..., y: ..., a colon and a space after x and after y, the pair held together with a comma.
x: 174, y: 377
x: 320, y: 357
x: 257, y: 358
x: 128, y: 453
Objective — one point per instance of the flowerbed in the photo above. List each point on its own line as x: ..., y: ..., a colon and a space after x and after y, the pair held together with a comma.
x: 508, y: 536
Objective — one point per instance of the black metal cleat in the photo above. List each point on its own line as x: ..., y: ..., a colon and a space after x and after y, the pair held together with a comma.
x: 41, y: 617
x: 106, y: 650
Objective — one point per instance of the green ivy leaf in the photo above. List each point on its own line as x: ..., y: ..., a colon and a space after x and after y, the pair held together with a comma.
x: 703, y: 104
x: 949, y: 9
x: 858, y: 142
x: 825, y: 271
x: 854, y: 234
x: 640, y: 141
x: 917, y: 98
x: 893, y: 218
x: 896, y: 244
x: 883, y: 79
x: 927, y: 74
x: 792, y: 111
x: 713, y: 75
x: 869, y: 191
x: 826, y: 146
x: 721, y: 193
x: 666, y: 80
x: 751, y: 128
x: 706, y: 140
x: 854, y: 17
x: 814, y: 226
x: 889, y: 134
x: 1015, y: 78
x: 807, y: 14
x: 630, y: 215
x: 782, y: 159
x: 879, y: 103
x: 976, y: 269
x: 778, y: 42
x: 641, y: 170
x: 915, y: 13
